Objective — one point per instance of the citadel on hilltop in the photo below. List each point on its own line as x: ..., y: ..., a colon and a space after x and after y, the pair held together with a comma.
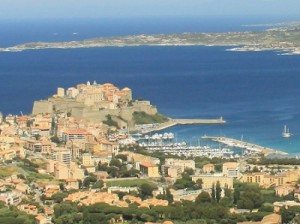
x: 95, y: 102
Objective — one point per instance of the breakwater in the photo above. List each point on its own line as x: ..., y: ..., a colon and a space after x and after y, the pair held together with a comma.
x: 245, y: 145
x: 173, y: 122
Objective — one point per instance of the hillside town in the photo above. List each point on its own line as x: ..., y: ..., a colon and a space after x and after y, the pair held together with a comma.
x: 58, y: 165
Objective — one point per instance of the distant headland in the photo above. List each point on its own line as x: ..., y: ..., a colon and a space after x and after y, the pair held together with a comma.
x: 285, y: 39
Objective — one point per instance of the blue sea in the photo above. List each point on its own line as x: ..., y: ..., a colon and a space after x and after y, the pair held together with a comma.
x: 257, y: 93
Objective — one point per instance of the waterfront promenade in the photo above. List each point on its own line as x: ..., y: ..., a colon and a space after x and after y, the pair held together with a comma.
x: 172, y: 122
x: 245, y: 145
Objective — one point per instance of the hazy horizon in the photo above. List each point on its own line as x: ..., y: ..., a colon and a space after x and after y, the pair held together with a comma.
x: 71, y: 9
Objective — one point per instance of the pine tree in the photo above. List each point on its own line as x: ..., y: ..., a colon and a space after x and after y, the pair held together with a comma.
x: 218, y: 191
x: 213, y: 192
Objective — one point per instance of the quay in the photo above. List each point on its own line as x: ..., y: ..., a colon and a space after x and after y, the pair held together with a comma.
x: 245, y: 145
x: 172, y: 122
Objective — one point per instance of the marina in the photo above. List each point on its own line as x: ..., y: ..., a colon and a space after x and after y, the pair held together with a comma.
x: 167, y: 143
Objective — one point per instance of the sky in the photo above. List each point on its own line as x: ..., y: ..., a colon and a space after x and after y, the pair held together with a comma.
x: 57, y: 9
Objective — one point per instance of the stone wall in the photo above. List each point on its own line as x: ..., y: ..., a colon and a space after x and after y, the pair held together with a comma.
x: 79, y: 110
x: 42, y: 107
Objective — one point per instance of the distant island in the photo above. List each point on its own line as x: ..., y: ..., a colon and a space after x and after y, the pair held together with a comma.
x: 285, y: 39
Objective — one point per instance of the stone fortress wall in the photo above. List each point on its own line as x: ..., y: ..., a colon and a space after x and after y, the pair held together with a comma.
x: 84, y: 102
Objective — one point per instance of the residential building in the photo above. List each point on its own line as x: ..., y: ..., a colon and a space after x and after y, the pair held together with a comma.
x: 182, y: 163
x: 11, y: 197
x: 284, y: 190
x: 208, y: 168
x: 29, y: 209
x: 61, y: 171
x: 6, y: 142
x: 42, y: 219
x: 122, y: 189
x: 183, y: 194
x: 231, y: 169
x: 297, y: 195
x: 72, y: 183
x: 284, y: 204
x: 8, y: 154
x: 74, y: 134
x: 76, y: 172
x: 87, y: 159
x: 43, y: 146
x: 174, y: 171
x: 50, y: 165
x: 268, y: 219
x: 175, y: 167
x: 111, y: 147
x: 209, y: 180
x: 149, y: 169
x: 62, y: 155
x: 268, y: 180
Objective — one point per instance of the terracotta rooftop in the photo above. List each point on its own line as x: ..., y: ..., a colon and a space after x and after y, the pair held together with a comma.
x: 71, y: 180
x: 76, y: 131
x: 22, y: 118
x: 147, y: 164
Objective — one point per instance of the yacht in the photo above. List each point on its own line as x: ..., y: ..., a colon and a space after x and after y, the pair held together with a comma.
x: 286, y: 133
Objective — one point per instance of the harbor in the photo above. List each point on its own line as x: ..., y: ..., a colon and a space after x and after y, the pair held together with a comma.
x: 230, y: 142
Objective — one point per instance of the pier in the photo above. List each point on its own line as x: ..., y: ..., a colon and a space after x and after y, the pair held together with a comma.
x: 173, y: 122
x: 245, y: 145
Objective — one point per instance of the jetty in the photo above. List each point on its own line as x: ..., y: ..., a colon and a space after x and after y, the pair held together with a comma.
x: 172, y: 122
x: 245, y: 145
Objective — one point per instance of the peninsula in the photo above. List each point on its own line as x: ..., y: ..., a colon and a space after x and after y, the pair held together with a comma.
x: 285, y: 39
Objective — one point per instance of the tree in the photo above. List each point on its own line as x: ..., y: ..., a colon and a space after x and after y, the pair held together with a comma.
x: 59, y: 197
x: 289, y: 214
x: 122, y: 157
x: 61, y: 186
x: 245, y: 203
x: 184, y: 182
x: 189, y: 171
x: 198, y: 184
x: 227, y: 192
x: 55, y: 139
x: 98, y: 184
x: 113, y: 171
x: 296, y: 219
x: 37, y: 136
x: 102, y: 167
x: 65, y: 208
x: 166, y: 196
x: 236, y: 195
x: 169, y: 196
x: 250, y: 198
x: 255, y: 169
x: 146, y: 190
x: 87, y: 181
x: 213, y: 192
x: 203, y: 197
x: 116, y: 163
x: 218, y: 191
x: 226, y: 202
